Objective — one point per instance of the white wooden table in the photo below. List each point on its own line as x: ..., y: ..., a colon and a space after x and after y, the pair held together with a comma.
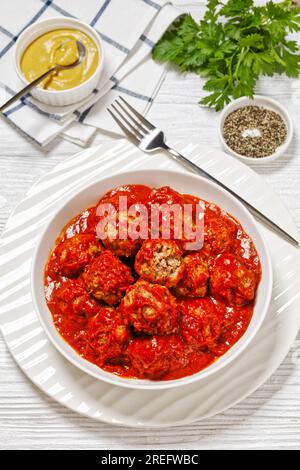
x: 270, y: 418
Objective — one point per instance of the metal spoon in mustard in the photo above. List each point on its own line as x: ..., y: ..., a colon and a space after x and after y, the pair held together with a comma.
x: 68, y: 58
x: 59, y: 47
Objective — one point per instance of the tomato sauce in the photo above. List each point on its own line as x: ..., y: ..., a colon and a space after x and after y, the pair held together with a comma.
x: 127, y: 312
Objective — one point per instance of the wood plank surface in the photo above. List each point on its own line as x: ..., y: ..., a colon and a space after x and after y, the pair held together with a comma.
x: 270, y: 418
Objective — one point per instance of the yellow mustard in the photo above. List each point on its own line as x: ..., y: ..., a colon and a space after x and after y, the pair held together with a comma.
x: 59, y: 47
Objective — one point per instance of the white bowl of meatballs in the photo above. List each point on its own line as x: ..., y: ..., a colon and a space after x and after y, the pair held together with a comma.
x: 151, y: 280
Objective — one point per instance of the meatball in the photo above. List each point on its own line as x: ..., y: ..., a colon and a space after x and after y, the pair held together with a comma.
x: 165, y: 195
x: 154, y: 356
x: 231, y: 281
x: 150, y: 308
x: 200, y: 322
x: 135, y: 195
x: 85, y: 222
x: 162, y: 203
x: 72, y: 255
x: 124, y: 248
x: 174, y: 221
x: 195, y: 277
x: 72, y: 301
x: 107, y: 278
x: 219, y: 233
x: 160, y: 261
x: 107, y: 336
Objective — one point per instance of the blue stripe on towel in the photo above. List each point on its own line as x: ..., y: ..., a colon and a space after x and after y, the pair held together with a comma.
x: 152, y: 4
x: 36, y: 17
x: 60, y: 9
x: 81, y: 117
x: 100, y: 12
x: 114, y: 43
x: 25, y: 134
x: 6, y: 32
x: 147, y: 41
x: 129, y: 92
x: 84, y: 114
x: 6, y: 88
x: 31, y: 105
x: 114, y: 79
x: 105, y: 38
x: 12, y: 110
x: 132, y: 93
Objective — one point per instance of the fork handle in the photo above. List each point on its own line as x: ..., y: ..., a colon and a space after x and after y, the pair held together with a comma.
x: 261, y: 217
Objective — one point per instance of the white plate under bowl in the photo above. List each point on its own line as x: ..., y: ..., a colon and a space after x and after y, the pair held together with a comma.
x: 184, y: 183
x: 47, y: 368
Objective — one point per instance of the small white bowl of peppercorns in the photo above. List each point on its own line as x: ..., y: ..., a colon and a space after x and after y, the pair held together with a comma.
x: 257, y: 130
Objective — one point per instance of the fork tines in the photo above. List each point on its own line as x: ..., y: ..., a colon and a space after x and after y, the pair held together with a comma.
x: 133, y: 124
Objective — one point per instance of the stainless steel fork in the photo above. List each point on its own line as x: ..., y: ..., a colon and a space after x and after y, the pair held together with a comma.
x: 149, y: 138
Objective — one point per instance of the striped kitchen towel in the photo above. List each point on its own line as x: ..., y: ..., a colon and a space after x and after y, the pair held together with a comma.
x: 128, y: 28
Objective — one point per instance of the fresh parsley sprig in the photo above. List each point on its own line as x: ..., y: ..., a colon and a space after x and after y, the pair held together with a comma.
x: 233, y: 45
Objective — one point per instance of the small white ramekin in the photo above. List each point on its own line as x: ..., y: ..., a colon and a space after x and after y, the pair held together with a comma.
x: 265, y: 102
x: 62, y: 97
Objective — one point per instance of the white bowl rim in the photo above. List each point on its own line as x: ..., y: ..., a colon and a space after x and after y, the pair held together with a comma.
x: 75, y: 21
x: 143, y: 384
x: 282, y: 110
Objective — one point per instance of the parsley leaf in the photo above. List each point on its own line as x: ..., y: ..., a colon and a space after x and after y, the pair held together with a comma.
x: 233, y: 45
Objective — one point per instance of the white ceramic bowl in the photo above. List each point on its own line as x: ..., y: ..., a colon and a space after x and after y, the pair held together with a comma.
x: 265, y: 102
x: 61, y: 97
x: 185, y: 183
